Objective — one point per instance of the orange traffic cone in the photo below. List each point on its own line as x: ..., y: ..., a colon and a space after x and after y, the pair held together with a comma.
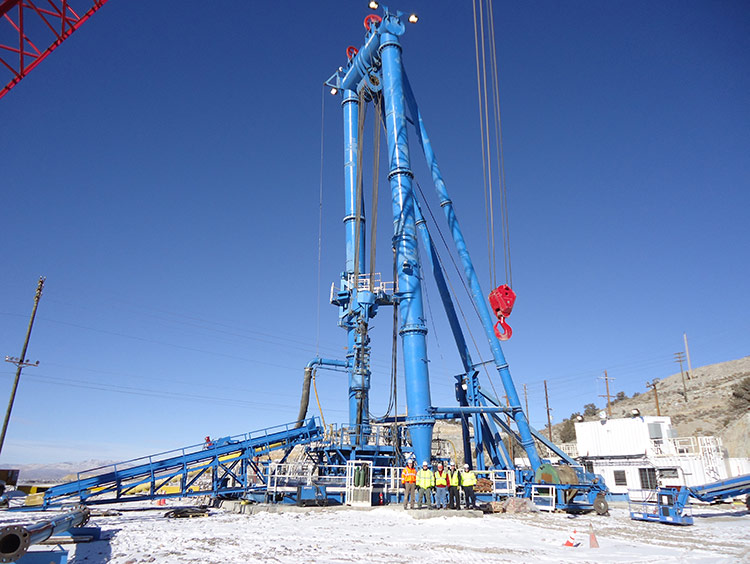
x: 161, y: 501
x: 572, y: 539
x: 593, y: 543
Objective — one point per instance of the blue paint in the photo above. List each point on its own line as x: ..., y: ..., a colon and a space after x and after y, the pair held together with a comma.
x: 477, y: 295
x: 413, y: 330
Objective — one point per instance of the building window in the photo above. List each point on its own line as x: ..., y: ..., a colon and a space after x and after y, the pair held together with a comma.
x: 654, y: 431
x: 589, y: 466
x: 668, y: 473
x: 620, y: 479
x: 648, y: 478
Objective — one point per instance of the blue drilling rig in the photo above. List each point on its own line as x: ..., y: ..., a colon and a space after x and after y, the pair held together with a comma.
x: 367, y: 452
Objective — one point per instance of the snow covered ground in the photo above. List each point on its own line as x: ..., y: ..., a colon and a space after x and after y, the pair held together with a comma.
x: 390, y: 535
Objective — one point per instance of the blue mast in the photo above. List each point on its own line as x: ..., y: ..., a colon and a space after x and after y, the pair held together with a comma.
x: 413, y: 330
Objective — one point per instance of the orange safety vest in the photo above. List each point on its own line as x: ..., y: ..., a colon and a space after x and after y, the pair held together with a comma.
x: 409, y: 475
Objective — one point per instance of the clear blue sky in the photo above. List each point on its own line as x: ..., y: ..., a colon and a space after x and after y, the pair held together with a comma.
x: 162, y: 170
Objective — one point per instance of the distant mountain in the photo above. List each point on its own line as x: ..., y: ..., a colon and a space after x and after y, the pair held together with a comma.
x: 48, y: 473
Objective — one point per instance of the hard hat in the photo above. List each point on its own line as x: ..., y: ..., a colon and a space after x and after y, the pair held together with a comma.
x: 466, y: 466
x: 453, y: 464
x: 440, y: 464
x: 424, y: 463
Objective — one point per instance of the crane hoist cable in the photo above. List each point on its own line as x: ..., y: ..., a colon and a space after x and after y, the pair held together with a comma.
x: 450, y: 285
x: 320, y: 217
x: 486, y: 61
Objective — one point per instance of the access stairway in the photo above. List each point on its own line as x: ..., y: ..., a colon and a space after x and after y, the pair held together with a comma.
x: 225, y: 466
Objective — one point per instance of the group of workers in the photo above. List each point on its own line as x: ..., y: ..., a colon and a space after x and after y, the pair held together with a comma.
x: 446, y: 484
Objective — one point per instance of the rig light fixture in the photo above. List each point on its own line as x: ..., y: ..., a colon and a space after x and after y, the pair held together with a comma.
x: 413, y: 18
x: 635, y: 412
x: 334, y: 91
x: 373, y: 5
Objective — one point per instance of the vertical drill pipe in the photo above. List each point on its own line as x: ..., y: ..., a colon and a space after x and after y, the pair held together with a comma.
x: 527, y: 441
x: 351, y: 109
x: 413, y: 330
x: 15, y: 540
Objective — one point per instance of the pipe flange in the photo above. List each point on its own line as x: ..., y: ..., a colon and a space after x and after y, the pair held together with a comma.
x: 14, y: 543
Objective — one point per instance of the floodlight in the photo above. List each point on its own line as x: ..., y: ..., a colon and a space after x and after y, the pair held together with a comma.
x: 413, y: 18
x: 334, y: 91
x: 373, y: 5
x: 635, y: 412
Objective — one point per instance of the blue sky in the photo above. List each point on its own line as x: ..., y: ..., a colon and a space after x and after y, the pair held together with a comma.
x: 162, y: 170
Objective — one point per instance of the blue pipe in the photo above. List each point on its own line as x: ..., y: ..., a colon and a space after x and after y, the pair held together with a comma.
x: 350, y: 105
x: 471, y: 409
x: 327, y: 363
x: 413, y: 330
x: 527, y: 441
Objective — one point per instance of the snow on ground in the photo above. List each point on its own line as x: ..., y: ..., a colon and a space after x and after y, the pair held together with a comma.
x: 389, y: 535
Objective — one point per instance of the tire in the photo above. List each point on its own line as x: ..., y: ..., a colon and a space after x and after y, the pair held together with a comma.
x: 600, y: 505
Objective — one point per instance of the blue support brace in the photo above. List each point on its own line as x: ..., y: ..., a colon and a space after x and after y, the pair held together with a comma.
x: 527, y: 441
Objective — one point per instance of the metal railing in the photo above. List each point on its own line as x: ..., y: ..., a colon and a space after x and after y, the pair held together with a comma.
x: 544, y: 497
x: 366, y: 283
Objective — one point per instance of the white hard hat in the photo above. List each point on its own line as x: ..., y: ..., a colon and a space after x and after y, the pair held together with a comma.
x: 424, y: 463
x: 466, y: 466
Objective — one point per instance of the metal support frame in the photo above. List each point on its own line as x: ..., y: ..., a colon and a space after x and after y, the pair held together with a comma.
x: 36, y: 24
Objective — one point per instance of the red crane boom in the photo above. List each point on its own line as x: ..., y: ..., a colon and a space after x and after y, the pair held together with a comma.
x: 31, y: 29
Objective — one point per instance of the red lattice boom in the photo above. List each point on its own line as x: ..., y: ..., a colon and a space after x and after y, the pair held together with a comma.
x: 31, y: 29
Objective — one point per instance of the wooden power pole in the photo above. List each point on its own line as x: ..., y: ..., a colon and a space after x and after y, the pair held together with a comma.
x: 21, y: 361
x: 652, y: 385
x: 549, y: 419
x: 609, y: 405
x: 679, y: 357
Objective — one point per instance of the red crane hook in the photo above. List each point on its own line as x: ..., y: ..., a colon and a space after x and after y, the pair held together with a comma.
x: 351, y: 51
x: 502, y: 300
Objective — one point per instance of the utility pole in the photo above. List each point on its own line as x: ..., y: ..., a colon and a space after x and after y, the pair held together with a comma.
x: 656, y: 394
x: 510, y: 439
x: 549, y: 419
x: 680, y: 358
x: 21, y: 361
x: 687, y: 353
x: 526, y: 399
x: 609, y: 405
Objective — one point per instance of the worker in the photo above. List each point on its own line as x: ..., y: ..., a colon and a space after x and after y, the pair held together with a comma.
x: 425, y: 483
x: 441, y: 487
x: 454, y: 482
x: 409, y: 479
x: 468, y: 480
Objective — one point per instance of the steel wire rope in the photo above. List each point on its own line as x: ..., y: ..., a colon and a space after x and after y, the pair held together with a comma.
x: 500, y: 155
x: 235, y: 332
x: 320, y: 252
x: 490, y: 244
x: 487, y: 146
x: 320, y: 216
x: 450, y: 285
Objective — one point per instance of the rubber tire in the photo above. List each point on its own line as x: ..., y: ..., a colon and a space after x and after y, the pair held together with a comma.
x: 600, y: 505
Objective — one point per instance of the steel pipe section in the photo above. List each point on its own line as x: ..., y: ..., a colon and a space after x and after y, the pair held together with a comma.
x: 413, y: 330
x: 15, y: 540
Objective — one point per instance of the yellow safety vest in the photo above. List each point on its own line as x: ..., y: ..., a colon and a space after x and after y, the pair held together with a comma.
x: 455, y: 478
x: 425, y: 479
x: 441, y: 478
x: 468, y: 478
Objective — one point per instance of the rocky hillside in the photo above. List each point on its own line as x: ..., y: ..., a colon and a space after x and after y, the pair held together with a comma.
x: 710, y: 408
